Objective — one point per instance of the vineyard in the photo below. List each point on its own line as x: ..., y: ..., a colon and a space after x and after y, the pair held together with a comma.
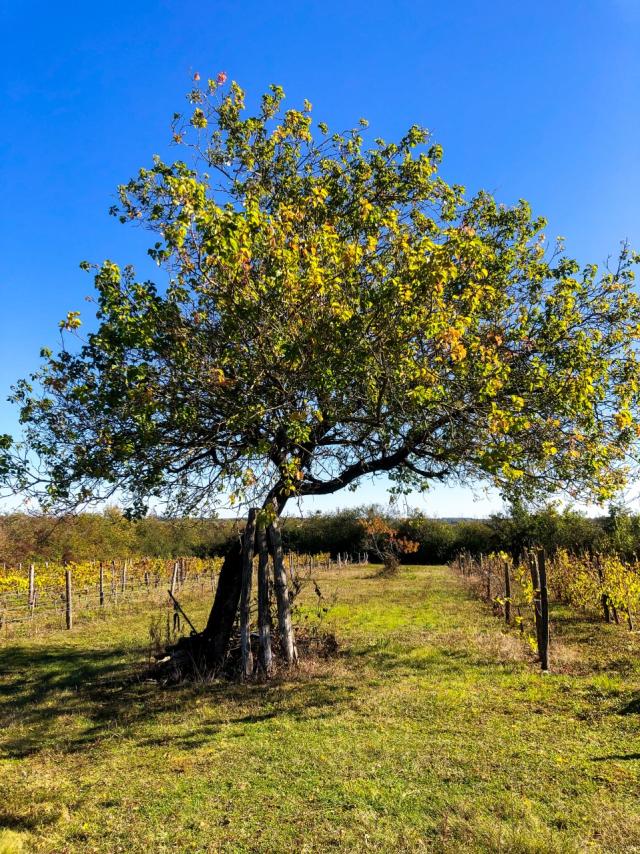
x: 430, y: 731
x: 45, y: 596
x: 519, y: 591
x: 52, y: 595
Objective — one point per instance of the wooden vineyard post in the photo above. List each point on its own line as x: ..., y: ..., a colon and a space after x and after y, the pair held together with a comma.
x: 174, y: 579
x: 543, y: 648
x: 282, y: 596
x: 114, y: 588
x: 123, y: 577
x: 485, y: 568
x: 68, y: 599
x: 248, y: 541
x: 32, y: 588
x: 174, y: 584
x: 507, y: 593
x: 532, y: 560
x: 101, y: 585
x: 264, y: 610
x: 604, y: 599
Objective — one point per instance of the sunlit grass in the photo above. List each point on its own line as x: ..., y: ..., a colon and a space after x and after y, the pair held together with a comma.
x: 431, y: 731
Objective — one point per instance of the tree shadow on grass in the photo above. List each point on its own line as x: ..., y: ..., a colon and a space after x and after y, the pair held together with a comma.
x: 631, y: 708
x: 66, y: 699
x: 438, y: 662
x: 619, y: 757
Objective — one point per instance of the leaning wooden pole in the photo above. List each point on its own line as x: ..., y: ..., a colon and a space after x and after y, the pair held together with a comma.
x: 248, y: 541
x: 264, y: 606
x: 285, y: 627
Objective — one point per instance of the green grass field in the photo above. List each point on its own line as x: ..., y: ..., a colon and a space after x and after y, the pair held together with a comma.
x: 432, y: 730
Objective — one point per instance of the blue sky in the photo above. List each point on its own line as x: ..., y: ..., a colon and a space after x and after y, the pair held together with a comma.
x: 537, y: 101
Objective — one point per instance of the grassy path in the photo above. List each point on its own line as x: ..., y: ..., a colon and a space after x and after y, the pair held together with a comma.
x: 432, y: 731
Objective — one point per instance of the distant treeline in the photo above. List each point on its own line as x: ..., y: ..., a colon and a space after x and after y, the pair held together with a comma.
x: 87, y: 536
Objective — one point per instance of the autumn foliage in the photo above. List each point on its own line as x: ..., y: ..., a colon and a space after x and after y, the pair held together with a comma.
x: 385, y: 541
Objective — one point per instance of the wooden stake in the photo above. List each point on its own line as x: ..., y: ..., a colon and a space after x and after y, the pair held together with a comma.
x: 32, y: 587
x: 101, y: 585
x: 264, y: 606
x: 172, y: 590
x: 287, y: 642
x: 543, y: 640
x: 69, y: 600
x: 507, y: 593
x: 248, y: 542
x: 604, y: 599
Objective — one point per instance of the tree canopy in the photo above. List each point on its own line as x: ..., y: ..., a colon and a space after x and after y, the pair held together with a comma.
x: 332, y: 309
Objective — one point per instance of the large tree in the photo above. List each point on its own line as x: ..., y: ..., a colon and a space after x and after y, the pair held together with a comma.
x: 332, y: 309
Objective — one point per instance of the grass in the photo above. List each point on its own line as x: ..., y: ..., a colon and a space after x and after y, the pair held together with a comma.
x: 431, y: 731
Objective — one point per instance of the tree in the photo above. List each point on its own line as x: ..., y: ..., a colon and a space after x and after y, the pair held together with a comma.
x: 333, y: 309
x: 385, y: 540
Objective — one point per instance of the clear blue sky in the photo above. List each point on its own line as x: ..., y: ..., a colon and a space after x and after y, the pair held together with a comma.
x: 530, y: 100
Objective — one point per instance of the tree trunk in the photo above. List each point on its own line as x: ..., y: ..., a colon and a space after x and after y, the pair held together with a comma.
x: 213, y: 644
x: 264, y: 607
x: 248, y: 541
x: 217, y: 633
x: 285, y: 628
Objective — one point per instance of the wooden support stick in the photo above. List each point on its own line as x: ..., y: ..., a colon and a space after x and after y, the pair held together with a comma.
x: 248, y: 541
x: 32, y: 587
x: 68, y: 598
x: 264, y: 605
x: 178, y: 607
x: 101, y: 585
x: 174, y: 579
x: 172, y: 590
x: 507, y: 593
x: 282, y: 595
x: 543, y: 648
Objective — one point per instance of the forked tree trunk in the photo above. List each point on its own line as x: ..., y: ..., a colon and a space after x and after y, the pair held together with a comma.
x: 231, y: 592
x: 287, y: 642
x: 264, y: 606
x: 248, y: 541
